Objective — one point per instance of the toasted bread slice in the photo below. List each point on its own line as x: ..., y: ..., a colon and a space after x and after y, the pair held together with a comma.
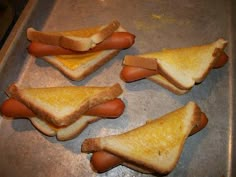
x: 183, y: 67
x: 77, y: 67
x: 78, y: 40
x: 157, y: 145
x: 159, y: 79
x: 62, y: 106
x: 63, y: 133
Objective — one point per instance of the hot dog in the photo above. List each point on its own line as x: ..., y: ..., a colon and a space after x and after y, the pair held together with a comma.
x: 13, y: 108
x: 222, y: 60
x: 118, y: 40
x: 130, y: 73
x: 111, y: 109
x: 102, y: 161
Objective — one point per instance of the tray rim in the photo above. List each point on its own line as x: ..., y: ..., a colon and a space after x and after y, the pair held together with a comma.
x: 32, y: 4
x: 232, y: 101
x: 16, y: 32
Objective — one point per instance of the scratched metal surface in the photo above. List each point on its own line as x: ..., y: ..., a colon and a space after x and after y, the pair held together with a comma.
x: 157, y: 24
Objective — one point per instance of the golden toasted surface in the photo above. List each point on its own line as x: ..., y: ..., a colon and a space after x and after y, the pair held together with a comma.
x: 78, y: 69
x: 61, y: 98
x: 62, y: 106
x: 86, y: 32
x: 156, y: 137
x: 157, y: 145
x: 182, y: 67
x: 74, y: 61
x: 190, y: 59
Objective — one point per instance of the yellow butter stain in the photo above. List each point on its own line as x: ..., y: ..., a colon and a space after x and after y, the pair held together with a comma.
x: 141, y: 25
x: 164, y: 19
x: 74, y: 61
x: 157, y: 17
x: 161, y: 21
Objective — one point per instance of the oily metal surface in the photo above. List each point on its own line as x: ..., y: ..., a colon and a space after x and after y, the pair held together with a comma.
x: 157, y: 24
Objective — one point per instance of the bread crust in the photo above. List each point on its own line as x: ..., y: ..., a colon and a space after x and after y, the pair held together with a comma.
x: 66, y: 132
x: 143, y: 62
x: 76, y: 44
x: 43, y: 126
x: 107, y: 94
x: 47, y: 38
x: 138, y: 168
x: 162, y: 81
x: 106, y: 32
x: 92, y: 145
x: 84, y: 70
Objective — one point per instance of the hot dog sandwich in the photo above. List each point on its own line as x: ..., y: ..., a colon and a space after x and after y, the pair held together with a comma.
x: 63, y: 111
x: 80, y: 52
x: 152, y: 148
x: 179, y: 69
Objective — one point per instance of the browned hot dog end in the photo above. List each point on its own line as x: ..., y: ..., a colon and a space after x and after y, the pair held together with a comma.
x: 222, y: 60
x: 102, y: 161
x: 130, y: 73
x: 13, y: 108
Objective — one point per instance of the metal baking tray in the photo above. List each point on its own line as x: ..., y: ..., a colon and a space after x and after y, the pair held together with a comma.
x: 157, y: 24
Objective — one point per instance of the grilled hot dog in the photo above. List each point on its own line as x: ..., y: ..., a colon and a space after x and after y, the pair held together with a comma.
x: 118, y: 40
x: 111, y: 109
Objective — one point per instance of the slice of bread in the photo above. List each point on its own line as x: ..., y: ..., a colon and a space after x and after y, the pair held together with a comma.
x: 157, y: 145
x: 62, y: 106
x: 159, y: 79
x: 63, y: 133
x: 78, y: 40
x: 187, y: 66
x: 77, y: 67
x: 182, y: 67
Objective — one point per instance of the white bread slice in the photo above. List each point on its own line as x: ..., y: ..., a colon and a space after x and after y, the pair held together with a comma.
x: 159, y: 79
x: 157, y: 145
x: 183, y: 67
x: 77, y: 67
x: 63, y: 133
x: 78, y: 40
x: 62, y: 106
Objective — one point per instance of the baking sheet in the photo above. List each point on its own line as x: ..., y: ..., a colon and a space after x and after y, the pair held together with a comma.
x: 157, y: 24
